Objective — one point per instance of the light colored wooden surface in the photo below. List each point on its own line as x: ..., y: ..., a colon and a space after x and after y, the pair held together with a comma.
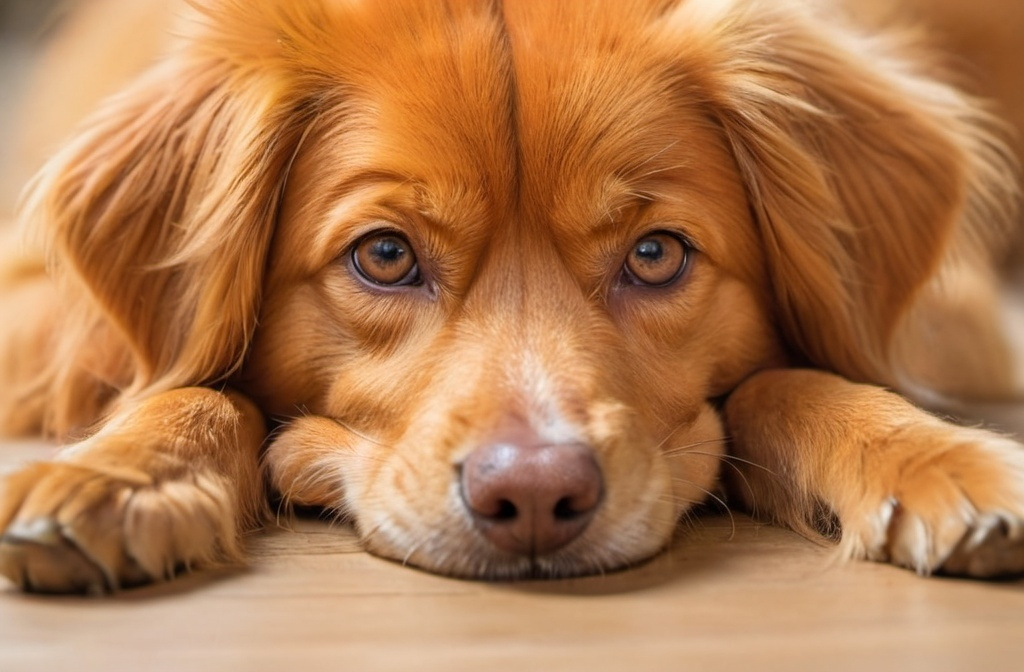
x: 749, y: 598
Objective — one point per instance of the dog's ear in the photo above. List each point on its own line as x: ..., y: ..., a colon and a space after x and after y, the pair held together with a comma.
x: 161, y: 210
x: 864, y: 171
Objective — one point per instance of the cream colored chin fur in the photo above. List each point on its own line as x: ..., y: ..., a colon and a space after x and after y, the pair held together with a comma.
x: 202, y: 329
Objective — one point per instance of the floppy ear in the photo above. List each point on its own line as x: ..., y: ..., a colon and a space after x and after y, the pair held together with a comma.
x: 864, y: 171
x: 161, y: 211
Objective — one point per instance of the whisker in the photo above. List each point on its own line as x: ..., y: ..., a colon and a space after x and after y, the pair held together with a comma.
x: 734, y: 458
x: 746, y: 483
x: 730, y: 460
x: 719, y: 500
x: 412, y: 549
x: 672, y: 431
x: 688, y: 448
x: 672, y: 499
x: 689, y: 521
x: 669, y: 435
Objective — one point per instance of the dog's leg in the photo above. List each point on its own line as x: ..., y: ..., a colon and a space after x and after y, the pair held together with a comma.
x: 168, y: 483
x: 905, y: 487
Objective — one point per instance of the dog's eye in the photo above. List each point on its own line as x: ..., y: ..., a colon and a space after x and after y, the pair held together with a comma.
x: 386, y: 258
x: 657, y: 259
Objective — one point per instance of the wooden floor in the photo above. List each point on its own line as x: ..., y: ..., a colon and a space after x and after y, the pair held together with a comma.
x: 727, y: 596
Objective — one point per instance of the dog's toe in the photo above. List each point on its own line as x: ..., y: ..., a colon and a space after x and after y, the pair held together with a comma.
x: 39, y: 558
x: 960, y: 512
x: 993, y: 548
x: 77, y: 529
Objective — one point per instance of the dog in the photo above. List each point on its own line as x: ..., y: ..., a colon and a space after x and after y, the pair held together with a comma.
x: 511, y: 286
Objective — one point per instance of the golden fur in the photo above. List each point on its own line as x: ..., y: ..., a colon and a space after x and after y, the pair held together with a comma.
x: 843, y: 199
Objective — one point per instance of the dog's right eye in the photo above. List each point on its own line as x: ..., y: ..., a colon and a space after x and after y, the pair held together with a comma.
x: 386, y: 258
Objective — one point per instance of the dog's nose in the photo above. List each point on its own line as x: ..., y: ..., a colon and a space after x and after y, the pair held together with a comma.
x: 531, y: 500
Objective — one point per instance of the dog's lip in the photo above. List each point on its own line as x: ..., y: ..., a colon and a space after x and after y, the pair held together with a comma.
x: 511, y: 569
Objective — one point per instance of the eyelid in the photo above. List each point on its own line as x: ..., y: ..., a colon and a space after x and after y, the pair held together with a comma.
x: 357, y: 234
x: 681, y: 236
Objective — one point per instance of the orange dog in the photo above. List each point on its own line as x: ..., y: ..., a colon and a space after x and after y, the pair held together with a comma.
x: 507, y: 281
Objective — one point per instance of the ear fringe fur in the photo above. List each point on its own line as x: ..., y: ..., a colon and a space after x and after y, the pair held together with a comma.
x: 156, y: 220
x: 867, y: 172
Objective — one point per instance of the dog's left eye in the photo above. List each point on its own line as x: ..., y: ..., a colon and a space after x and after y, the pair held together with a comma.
x: 657, y: 260
x: 386, y: 258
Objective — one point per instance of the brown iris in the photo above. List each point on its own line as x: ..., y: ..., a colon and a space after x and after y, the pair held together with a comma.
x: 657, y: 259
x: 386, y: 258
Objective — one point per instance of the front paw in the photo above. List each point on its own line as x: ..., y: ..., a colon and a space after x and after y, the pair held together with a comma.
x: 954, y: 509
x: 78, y: 528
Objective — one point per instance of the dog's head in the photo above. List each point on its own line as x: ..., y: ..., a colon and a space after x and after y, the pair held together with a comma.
x: 495, y: 267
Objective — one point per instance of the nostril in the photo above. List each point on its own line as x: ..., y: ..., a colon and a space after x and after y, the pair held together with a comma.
x: 506, y: 511
x: 564, y: 509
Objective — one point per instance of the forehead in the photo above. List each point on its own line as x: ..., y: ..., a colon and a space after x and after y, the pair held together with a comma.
x: 409, y: 113
x: 607, y: 117
x: 539, y: 110
x: 591, y: 89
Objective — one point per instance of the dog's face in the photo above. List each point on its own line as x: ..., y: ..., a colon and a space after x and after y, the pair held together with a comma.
x: 506, y: 260
x: 522, y: 288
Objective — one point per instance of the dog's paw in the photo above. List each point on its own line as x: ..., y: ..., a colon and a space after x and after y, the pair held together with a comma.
x: 75, y: 528
x: 955, y: 509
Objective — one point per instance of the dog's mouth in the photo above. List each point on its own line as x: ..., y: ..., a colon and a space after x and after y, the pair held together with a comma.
x: 541, y: 512
x: 522, y: 569
x: 515, y: 507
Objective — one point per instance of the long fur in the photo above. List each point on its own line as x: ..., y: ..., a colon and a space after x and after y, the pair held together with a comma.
x: 844, y: 199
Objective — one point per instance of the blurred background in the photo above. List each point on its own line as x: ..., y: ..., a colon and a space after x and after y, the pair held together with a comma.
x: 58, y: 59
x: 20, y: 16
x: 24, y: 25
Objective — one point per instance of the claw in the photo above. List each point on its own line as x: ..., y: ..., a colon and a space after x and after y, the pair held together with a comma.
x: 44, y: 531
x: 982, y: 533
x: 35, y: 555
x: 988, y: 551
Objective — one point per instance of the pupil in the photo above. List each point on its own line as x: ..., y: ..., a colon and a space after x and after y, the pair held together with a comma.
x: 387, y: 251
x: 650, y: 251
